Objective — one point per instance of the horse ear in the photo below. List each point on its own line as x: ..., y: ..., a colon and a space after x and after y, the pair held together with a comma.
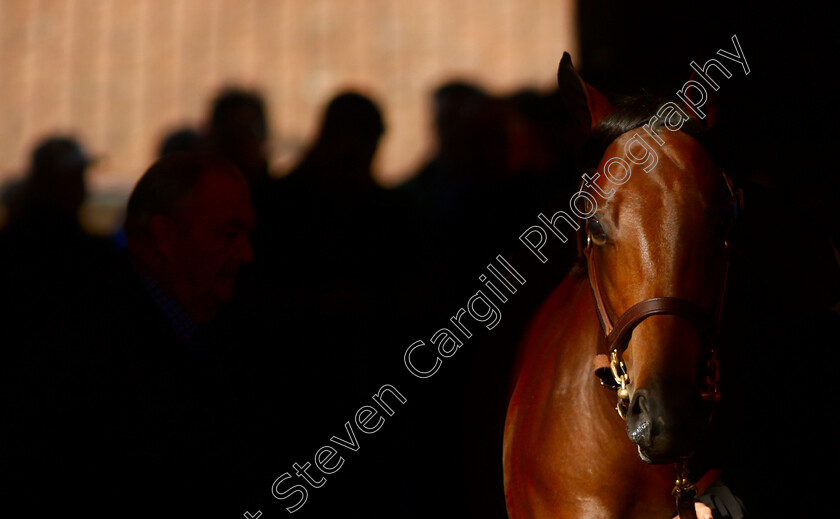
x: 586, y: 104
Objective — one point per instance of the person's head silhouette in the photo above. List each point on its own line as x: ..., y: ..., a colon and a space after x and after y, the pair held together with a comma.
x: 187, y: 224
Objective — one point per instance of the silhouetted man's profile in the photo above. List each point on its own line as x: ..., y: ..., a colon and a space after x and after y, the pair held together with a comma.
x: 187, y: 226
x: 130, y: 407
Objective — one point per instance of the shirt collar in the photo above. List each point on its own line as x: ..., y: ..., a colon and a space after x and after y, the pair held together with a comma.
x: 175, y: 315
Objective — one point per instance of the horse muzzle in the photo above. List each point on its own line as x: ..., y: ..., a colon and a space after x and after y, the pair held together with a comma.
x: 665, y: 426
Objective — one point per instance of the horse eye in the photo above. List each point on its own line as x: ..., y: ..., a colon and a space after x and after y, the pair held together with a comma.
x: 596, y: 231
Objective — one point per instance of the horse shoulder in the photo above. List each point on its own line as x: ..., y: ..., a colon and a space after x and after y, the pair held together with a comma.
x: 552, y: 380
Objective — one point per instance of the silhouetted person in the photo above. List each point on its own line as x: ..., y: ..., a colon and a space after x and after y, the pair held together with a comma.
x: 468, y: 184
x: 238, y: 129
x: 50, y: 196
x: 332, y: 250
x: 183, y: 139
x: 434, y: 189
x: 187, y: 223
x: 333, y: 219
x: 46, y: 258
x: 341, y: 157
x: 55, y: 184
x: 130, y: 406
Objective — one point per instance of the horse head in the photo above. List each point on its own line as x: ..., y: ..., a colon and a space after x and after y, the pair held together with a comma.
x: 655, y: 211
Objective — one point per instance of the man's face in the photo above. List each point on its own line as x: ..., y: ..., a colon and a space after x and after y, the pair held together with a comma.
x: 210, y: 242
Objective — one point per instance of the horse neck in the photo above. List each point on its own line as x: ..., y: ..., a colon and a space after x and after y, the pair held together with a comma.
x: 586, y: 441
x: 561, y: 343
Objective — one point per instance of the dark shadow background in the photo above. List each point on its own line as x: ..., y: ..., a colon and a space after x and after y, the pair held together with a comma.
x: 348, y: 275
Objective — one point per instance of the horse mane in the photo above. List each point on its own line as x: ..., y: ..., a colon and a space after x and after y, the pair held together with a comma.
x: 632, y: 112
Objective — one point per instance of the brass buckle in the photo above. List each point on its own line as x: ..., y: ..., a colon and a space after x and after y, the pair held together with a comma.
x: 622, y: 380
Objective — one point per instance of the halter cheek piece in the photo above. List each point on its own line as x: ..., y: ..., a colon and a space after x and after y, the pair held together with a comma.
x: 610, y: 367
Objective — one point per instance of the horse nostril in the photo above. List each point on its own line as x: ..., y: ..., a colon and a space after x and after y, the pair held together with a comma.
x: 640, y: 405
x: 639, y: 427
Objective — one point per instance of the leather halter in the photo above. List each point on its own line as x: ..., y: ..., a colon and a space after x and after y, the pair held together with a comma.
x: 610, y: 367
x: 612, y: 371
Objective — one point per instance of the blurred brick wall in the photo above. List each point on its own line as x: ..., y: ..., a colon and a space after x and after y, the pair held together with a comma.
x: 119, y: 74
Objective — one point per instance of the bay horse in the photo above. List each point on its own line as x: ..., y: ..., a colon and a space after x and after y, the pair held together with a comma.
x: 644, y: 302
